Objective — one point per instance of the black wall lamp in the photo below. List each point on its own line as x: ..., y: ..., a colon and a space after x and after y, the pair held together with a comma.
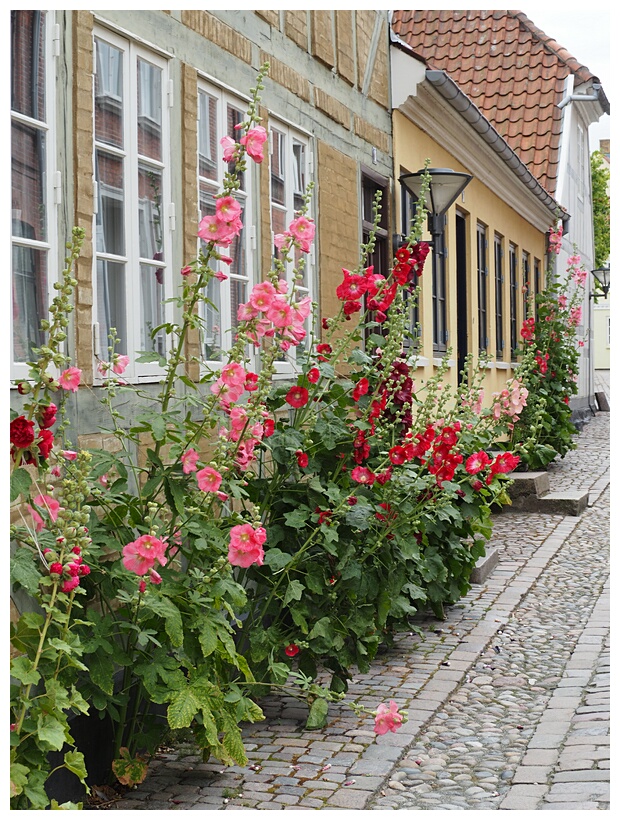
x: 445, y: 187
x: 602, y: 277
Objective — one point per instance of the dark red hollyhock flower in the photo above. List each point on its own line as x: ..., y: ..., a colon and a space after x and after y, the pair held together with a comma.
x: 297, y: 396
x: 302, y: 458
x: 269, y: 426
x: 476, y: 485
x: 352, y: 500
x: 385, y: 476
x: 314, y: 375
x: 48, y: 416
x: 400, y: 273
x: 324, y: 516
x: 403, y: 254
x: 325, y: 324
x: 419, y: 252
x: 45, y: 442
x: 291, y: 650
x: 351, y: 307
x: 22, y: 432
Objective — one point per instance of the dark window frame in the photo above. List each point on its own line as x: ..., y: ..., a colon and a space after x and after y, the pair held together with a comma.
x: 482, y: 274
x: 512, y: 262
x: 499, y: 296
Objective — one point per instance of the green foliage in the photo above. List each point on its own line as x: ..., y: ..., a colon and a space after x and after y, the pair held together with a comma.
x: 601, y: 208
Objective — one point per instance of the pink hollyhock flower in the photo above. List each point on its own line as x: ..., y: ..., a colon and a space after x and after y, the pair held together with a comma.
x: 562, y: 300
x: 48, y: 503
x: 70, y: 584
x: 233, y: 374
x: 120, y: 363
x: 303, y: 230
x: 189, y: 459
x: 154, y: 577
x: 253, y: 141
x: 227, y: 209
x: 575, y: 316
x: 280, y: 312
x: 297, y: 397
x: 262, y: 296
x: 476, y: 462
x: 209, y: 479
x: 139, y: 556
x: 387, y: 718
x: 221, y: 277
x: 70, y: 455
x: 55, y: 471
x: 280, y: 240
x: 246, y: 545
x: 36, y: 519
x: 70, y: 379
x: 226, y: 393
x: 245, y: 312
x: 229, y: 148
x: 185, y: 271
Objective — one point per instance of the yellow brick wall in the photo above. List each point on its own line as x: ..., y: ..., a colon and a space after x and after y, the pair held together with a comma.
x: 345, y: 54
x: 83, y: 186
x: 321, y: 36
x: 218, y: 32
x: 296, y: 27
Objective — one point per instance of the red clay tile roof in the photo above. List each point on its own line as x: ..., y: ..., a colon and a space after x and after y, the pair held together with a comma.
x: 513, y: 72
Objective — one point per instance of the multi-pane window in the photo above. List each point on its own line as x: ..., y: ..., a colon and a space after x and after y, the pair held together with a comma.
x: 512, y: 262
x: 218, y: 114
x: 132, y: 207
x: 482, y: 271
x: 525, y: 267
x: 440, y: 330
x: 32, y: 211
x: 499, y: 296
x: 371, y: 186
x: 289, y: 170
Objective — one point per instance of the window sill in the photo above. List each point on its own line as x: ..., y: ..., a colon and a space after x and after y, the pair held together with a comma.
x: 502, y: 365
x: 439, y: 362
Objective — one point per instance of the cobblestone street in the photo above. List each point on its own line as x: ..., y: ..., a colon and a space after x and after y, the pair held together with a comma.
x: 508, y: 697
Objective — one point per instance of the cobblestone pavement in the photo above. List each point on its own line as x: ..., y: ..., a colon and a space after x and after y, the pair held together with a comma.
x: 508, y: 696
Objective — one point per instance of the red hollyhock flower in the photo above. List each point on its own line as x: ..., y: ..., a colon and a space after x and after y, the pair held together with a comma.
x: 363, y: 475
x: 22, y: 432
x: 314, y: 375
x: 403, y: 254
x: 325, y: 324
x: 398, y: 455
x: 45, y: 442
x: 352, y: 500
x: 251, y: 382
x: 297, y: 397
x: 324, y: 516
x: 476, y: 485
x: 504, y: 463
x: 48, y: 416
x: 322, y: 349
x: 302, y: 458
x: 352, y: 286
x: 566, y: 400
x: 385, y: 476
x: 351, y: 307
x: 401, y: 272
x: 269, y: 427
x: 476, y: 462
x: 291, y: 650
x: 360, y: 389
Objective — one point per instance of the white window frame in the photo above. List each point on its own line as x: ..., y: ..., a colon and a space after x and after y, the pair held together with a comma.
x: 288, y: 366
x: 51, y: 186
x: 133, y: 207
x: 224, y: 99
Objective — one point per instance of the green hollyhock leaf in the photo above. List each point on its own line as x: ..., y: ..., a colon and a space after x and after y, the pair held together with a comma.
x: 51, y: 731
x: 20, y: 483
x: 317, y: 716
x: 208, y: 639
x: 74, y: 761
x: 67, y: 805
x: 35, y: 789
x: 23, y: 670
x: 297, y: 518
x: 293, y: 592
x: 275, y: 559
x: 101, y: 672
x: 24, y: 570
x: 19, y: 778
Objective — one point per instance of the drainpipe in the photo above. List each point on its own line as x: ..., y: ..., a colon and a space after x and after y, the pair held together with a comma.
x: 580, y: 97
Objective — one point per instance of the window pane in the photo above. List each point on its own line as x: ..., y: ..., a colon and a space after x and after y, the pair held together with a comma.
x: 28, y: 63
x: 299, y: 174
x: 237, y: 250
x: 278, y: 168
x: 29, y: 298
x: 150, y: 213
x: 207, y: 137
x: 213, y: 327
x: 149, y: 110
x: 111, y: 305
x: 152, y: 312
x: 234, y: 117
x: 28, y: 180
x: 111, y: 204
x: 109, y: 94
x: 238, y: 291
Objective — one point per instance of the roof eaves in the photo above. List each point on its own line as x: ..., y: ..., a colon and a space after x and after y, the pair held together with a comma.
x: 450, y: 91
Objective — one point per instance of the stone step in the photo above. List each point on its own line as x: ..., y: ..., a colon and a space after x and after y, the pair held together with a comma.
x: 529, y: 484
x: 565, y: 502
x: 484, y: 566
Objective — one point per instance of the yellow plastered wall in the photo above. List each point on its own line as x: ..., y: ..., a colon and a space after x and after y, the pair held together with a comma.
x: 478, y: 204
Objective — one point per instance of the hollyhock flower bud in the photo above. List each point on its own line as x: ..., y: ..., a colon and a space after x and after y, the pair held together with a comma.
x: 23, y: 388
x: 56, y: 568
x: 70, y: 584
x: 142, y: 587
